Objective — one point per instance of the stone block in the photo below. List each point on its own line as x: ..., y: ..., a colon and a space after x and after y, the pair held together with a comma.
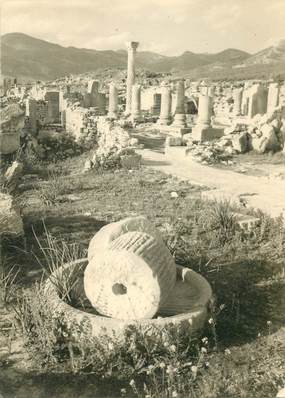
x: 268, y: 141
x: 240, y: 142
x: 173, y: 141
x: 13, y: 175
x: 206, y: 133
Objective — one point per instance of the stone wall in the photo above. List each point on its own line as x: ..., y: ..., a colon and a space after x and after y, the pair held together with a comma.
x: 80, y: 122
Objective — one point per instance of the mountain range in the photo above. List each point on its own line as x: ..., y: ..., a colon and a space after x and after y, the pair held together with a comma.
x: 31, y: 58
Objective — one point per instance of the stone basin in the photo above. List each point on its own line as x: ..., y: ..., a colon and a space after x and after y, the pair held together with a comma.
x: 187, y: 305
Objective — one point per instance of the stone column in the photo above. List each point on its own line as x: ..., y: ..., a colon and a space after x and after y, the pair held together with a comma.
x: 180, y: 117
x: 132, y: 47
x: 273, y: 96
x: 237, y: 96
x: 113, y: 101
x: 203, y: 131
x: 205, y: 110
x: 156, y: 104
x: 136, y: 102
x: 165, y: 109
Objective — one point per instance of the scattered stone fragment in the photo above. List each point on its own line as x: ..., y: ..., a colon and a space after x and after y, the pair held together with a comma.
x: 267, y: 142
x: 13, y: 175
x: 10, y: 220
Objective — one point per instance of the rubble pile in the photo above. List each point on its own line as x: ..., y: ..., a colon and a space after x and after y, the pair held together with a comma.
x: 268, y: 131
x: 115, y: 147
x: 265, y: 133
x: 209, y: 152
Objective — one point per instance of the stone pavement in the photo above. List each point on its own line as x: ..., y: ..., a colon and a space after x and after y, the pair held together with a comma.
x: 257, y: 192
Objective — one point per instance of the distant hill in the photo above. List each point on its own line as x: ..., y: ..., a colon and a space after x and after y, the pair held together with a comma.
x: 23, y: 55
x: 273, y: 54
x: 31, y: 58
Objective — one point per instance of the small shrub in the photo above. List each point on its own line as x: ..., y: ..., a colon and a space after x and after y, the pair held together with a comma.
x: 223, y: 220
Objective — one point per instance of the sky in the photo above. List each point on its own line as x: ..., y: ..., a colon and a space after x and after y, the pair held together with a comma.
x: 168, y: 27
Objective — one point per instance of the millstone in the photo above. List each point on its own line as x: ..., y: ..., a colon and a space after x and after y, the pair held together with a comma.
x: 132, y: 278
x: 113, y: 230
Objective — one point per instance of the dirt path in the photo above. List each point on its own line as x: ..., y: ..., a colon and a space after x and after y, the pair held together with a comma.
x: 258, y: 192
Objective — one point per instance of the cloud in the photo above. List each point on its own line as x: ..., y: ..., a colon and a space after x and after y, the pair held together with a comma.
x: 165, y: 26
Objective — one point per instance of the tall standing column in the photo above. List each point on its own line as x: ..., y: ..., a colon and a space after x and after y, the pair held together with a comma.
x: 113, y: 101
x: 180, y: 117
x: 136, y: 102
x: 132, y: 47
x: 165, y: 109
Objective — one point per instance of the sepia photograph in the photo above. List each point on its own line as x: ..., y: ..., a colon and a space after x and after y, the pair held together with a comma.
x: 142, y: 199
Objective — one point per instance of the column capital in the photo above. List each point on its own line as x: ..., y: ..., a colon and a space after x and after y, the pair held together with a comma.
x: 132, y: 45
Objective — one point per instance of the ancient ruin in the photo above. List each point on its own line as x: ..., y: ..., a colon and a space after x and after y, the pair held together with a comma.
x: 136, y: 187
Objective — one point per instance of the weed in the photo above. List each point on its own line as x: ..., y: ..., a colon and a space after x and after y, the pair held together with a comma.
x: 223, y: 220
x: 50, y: 193
x: 55, y: 253
x: 38, y: 325
x: 8, y: 277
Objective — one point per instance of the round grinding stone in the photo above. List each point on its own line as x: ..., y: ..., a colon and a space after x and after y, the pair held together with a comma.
x: 112, y: 231
x: 132, y: 278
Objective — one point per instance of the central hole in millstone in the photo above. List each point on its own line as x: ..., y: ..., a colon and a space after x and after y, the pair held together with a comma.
x: 119, y: 289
